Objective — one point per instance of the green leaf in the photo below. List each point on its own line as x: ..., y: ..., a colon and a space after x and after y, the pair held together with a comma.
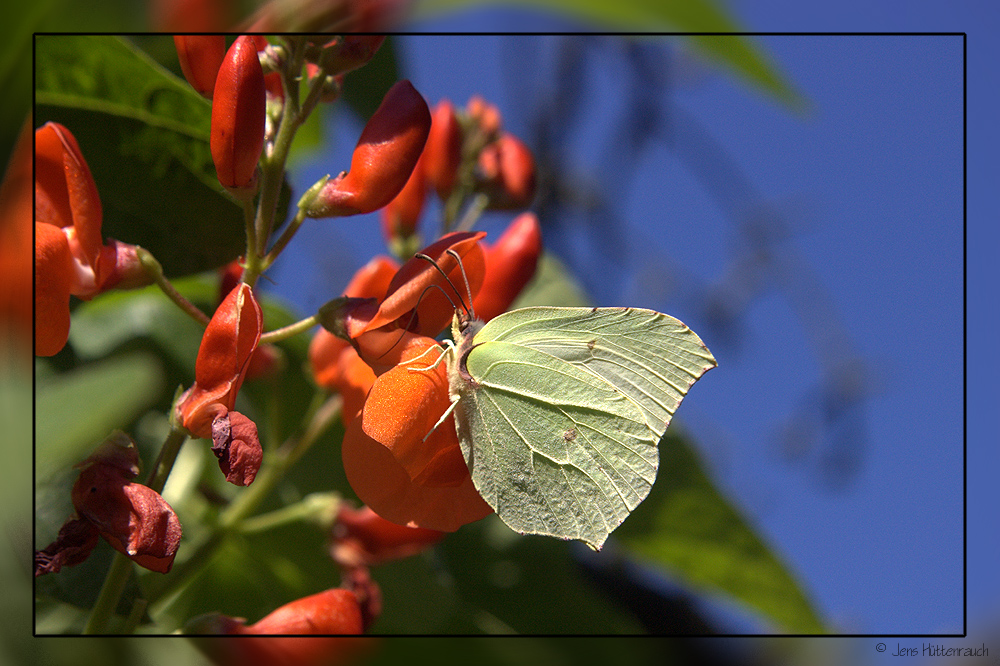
x: 689, y: 527
x: 75, y: 411
x: 734, y: 52
x: 145, y: 133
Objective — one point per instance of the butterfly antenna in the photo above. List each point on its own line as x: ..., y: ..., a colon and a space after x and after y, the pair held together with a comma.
x: 467, y: 308
x: 465, y: 278
x: 413, y: 315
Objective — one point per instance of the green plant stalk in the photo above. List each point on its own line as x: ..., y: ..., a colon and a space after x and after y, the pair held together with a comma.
x: 286, y: 332
x: 111, y: 592
x: 323, y: 411
x: 155, y: 271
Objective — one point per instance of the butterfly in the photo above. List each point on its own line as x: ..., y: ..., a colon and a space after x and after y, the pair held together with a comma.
x: 559, y: 411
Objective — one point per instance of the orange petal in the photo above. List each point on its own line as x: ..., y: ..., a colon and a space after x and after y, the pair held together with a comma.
x: 65, y: 191
x: 334, y: 611
x: 53, y: 277
x: 419, y: 285
x: 405, y: 478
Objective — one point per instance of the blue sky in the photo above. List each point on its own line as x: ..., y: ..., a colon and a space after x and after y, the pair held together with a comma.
x: 869, y: 184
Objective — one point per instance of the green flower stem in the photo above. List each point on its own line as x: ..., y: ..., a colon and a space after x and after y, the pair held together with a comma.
x: 320, y: 508
x: 322, y: 413
x: 279, y: 334
x: 285, y: 237
x: 165, y: 461
x: 273, y: 164
x: 111, y: 592
x: 473, y: 212
x: 155, y: 271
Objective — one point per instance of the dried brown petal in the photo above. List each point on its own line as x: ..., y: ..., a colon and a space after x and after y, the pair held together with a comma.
x: 237, y: 446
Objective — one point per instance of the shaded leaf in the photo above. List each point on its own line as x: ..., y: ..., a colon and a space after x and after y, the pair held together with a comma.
x: 76, y: 410
x: 145, y: 133
x: 689, y: 527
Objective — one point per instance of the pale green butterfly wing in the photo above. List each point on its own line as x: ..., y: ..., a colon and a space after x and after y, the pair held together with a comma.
x: 560, y: 411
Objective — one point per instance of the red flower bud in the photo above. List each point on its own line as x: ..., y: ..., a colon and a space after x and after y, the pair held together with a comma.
x: 349, y: 52
x: 226, y: 347
x: 364, y: 538
x: 238, y: 115
x: 236, y: 444
x: 401, y: 215
x: 510, y: 265
x: 383, y: 160
x: 201, y: 57
x: 486, y: 115
x: 508, y: 171
x: 443, y: 152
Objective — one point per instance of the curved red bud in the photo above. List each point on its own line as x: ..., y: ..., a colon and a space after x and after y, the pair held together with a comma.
x: 201, y: 57
x: 383, y: 160
x: 443, y: 152
x: 364, y: 538
x: 510, y: 265
x: 238, y: 115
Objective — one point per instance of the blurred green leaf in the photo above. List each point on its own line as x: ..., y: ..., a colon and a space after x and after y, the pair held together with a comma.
x: 689, y: 527
x: 76, y: 410
x: 734, y: 52
x: 365, y: 87
x: 552, y: 284
x: 144, y: 132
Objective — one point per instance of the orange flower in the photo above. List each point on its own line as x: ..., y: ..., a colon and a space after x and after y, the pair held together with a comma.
x: 15, y: 255
x: 223, y: 357
x: 66, y: 202
x: 363, y: 538
x: 419, y: 300
x: 407, y: 473
x: 510, y: 265
x: 335, y: 364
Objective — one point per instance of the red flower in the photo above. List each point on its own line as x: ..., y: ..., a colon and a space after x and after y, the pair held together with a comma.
x: 224, y: 357
x: 419, y: 300
x: 133, y: 518
x: 383, y: 160
x: 507, y: 168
